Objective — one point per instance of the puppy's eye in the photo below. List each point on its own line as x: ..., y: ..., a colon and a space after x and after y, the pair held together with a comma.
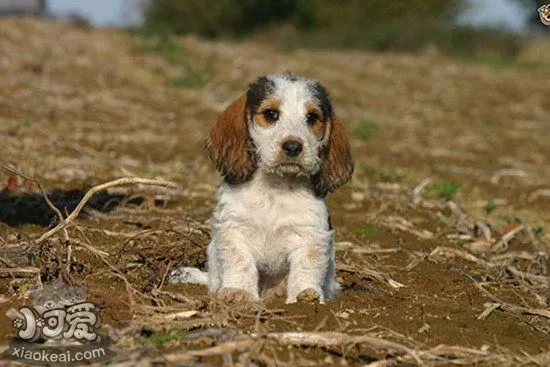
x: 312, y: 118
x: 271, y: 115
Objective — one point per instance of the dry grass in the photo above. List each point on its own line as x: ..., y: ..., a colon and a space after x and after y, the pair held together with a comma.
x: 431, y: 276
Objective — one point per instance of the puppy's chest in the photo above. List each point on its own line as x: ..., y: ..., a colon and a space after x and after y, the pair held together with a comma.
x: 268, y: 210
x: 273, y: 210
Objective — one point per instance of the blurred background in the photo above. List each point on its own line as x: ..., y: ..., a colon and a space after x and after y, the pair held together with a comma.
x: 497, y: 28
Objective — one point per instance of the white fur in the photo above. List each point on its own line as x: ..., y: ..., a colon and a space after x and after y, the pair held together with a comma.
x: 273, y: 226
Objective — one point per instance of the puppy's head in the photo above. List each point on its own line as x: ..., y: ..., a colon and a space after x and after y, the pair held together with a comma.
x: 284, y: 124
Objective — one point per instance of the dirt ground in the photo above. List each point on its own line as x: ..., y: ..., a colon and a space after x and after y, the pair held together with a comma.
x: 442, y: 235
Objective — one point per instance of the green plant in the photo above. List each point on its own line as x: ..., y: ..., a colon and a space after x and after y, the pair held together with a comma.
x: 162, y: 338
x: 165, y: 46
x: 192, y: 80
x: 446, y: 190
x: 510, y: 218
x: 490, y: 207
x: 368, y: 129
x: 26, y: 122
x: 384, y: 174
x: 367, y: 231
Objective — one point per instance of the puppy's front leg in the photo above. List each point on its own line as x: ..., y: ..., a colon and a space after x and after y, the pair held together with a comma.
x: 308, y: 267
x: 237, y: 267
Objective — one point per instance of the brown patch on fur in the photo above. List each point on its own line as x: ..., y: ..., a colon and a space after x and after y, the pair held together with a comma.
x: 229, y: 145
x: 268, y: 104
x: 314, y: 253
x: 319, y: 127
x: 337, y: 164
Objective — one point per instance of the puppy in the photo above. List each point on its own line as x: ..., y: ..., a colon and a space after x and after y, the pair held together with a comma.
x: 280, y: 150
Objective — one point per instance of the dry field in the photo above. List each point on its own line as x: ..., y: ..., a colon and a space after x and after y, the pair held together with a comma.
x: 442, y: 235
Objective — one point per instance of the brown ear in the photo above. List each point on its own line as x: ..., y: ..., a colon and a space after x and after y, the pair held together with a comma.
x: 337, y: 164
x: 229, y: 145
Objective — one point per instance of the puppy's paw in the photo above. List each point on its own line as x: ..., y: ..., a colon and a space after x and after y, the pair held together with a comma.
x: 308, y: 295
x: 235, y: 296
x: 188, y: 275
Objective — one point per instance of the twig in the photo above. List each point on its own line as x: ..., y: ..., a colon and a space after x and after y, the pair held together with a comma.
x: 448, y: 251
x: 489, y: 308
x: 406, y: 226
x: 417, y: 191
x: 369, y: 273
x: 26, y: 272
x: 46, y: 198
x: 486, y: 231
x: 228, y: 347
x: 331, y: 339
x: 349, y: 246
x: 508, y: 307
x: 121, y: 181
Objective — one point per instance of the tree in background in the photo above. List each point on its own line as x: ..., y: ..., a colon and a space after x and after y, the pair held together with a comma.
x: 214, y: 18
x: 374, y: 24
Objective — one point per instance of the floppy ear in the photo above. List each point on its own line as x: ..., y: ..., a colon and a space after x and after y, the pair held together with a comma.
x: 336, y: 162
x: 230, y: 146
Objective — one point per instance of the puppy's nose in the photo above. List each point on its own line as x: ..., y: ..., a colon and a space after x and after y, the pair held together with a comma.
x: 292, y: 148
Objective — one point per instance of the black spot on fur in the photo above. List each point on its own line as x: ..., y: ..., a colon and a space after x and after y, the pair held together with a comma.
x: 288, y: 75
x: 322, y: 96
x: 258, y: 92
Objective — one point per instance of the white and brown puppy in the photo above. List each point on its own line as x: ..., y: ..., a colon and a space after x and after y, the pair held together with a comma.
x: 280, y: 150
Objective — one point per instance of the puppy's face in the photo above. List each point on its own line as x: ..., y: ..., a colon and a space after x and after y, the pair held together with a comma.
x: 289, y: 120
x: 284, y: 124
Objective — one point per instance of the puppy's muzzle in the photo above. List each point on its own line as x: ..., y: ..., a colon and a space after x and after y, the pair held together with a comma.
x: 292, y: 148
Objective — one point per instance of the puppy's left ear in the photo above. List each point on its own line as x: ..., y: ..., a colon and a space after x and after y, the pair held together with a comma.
x: 230, y: 146
x: 336, y: 162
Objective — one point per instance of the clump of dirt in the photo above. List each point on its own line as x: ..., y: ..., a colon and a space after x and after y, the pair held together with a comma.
x: 451, y: 270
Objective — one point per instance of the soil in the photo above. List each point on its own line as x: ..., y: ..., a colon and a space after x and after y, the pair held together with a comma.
x: 80, y: 106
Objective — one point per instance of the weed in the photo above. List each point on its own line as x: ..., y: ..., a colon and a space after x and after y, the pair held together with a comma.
x: 442, y: 221
x: 26, y: 122
x: 384, y: 174
x: 161, y: 338
x: 192, y: 80
x: 445, y: 190
x: 165, y: 46
x: 368, y: 130
x: 510, y: 218
x: 367, y: 231
x: 490, y: 207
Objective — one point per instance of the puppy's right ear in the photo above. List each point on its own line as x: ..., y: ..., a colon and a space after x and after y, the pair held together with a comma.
x: 230, y: 146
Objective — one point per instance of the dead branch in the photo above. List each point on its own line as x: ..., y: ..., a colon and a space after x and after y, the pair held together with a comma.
x: 26, y: 272
x: 451, y: 252
x: 332, y: 339
x: 508, y: 307
x: 228, y: 347
x: 369, y: 273
x: 121, y: 181
x: 46, y: 198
